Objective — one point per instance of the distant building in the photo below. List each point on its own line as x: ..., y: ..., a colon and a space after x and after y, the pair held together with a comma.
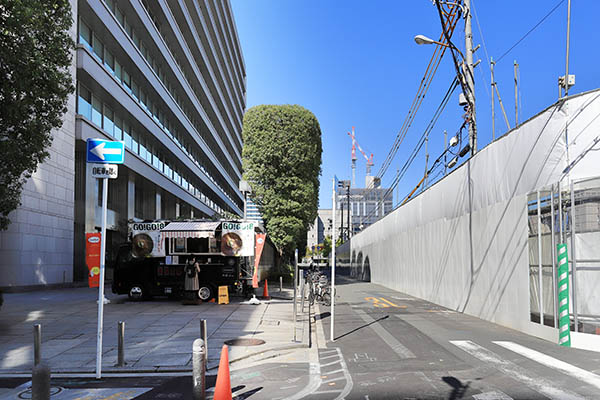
x: 367, y: 205
x: 253, y: 212
x: 322, y: 227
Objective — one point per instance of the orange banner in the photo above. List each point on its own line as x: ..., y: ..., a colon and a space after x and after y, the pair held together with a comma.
x: 260, y: 243
x: 92, y: 258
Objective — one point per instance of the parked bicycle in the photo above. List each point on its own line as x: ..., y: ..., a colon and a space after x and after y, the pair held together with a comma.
x: 319, y: 288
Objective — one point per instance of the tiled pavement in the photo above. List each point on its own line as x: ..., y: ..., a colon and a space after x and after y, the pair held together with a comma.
x: 158, y: 333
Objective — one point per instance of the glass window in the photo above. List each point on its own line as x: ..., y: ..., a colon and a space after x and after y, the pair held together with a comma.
x: 96, y: 111
x: 135, y: 89
x: 155, y: 160
x: 107, y: 123
x: 98, y: 47
x: 149, y: 153
x: 127, y: 81
x: 111, y: 5
x: 135, y: 38
x: 134, y: 142
x: 120, y: 16
x: 118, y: 128
x: 118, y: 70
x: 85, y: 35
x: 84, y: 104
x: 127, y: 135
x: 109, y: 61
x: 142, y: 149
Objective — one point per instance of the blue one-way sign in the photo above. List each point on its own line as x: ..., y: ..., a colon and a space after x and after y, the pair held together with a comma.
x: 105, y: 151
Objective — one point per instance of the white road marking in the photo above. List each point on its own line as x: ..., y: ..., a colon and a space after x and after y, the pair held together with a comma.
x: 575, y: 372
x: 387, y: 337
x: 539, y: 384
x: 349, y: 384
x: 496, y: 395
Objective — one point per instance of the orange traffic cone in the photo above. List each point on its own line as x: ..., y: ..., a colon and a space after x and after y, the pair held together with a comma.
x: 223, y: 386
x: 265, y: 295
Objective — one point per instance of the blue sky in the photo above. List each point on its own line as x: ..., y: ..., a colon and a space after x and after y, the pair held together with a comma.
x: 355, y: 63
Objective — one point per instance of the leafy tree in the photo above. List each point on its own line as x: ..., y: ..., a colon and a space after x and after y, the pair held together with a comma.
x: 282, y: 162
x: 35, y: 82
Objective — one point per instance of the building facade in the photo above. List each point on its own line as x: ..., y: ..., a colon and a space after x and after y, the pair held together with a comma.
x: 323, y: 227
x: 166, y: 78
x: 253, y: 211
x: 367, y: 205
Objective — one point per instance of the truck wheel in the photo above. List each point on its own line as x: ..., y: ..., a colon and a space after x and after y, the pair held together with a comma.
x: 205, y: 292
x: 136, y: 292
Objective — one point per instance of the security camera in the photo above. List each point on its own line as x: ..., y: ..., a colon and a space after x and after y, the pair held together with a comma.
x: 453, y: 141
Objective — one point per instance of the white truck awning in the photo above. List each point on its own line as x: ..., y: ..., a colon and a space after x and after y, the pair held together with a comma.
x: 189, y: 229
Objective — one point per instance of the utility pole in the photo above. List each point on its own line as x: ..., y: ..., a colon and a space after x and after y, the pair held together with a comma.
x: 469, y: 77
x: 568, y: 37
x: 516, y: 67
x: 492, y: 63
x: 342, y: 220
x: 348, y: 195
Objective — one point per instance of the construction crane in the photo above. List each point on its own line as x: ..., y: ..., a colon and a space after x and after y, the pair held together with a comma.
x: 368, y: 159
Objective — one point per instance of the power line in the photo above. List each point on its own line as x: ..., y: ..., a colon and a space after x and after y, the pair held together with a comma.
x: 531, y: 30
x: 419, y: 145
x: 422, y: 90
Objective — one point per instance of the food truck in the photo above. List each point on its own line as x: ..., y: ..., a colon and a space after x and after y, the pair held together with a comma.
x: 152, y: 262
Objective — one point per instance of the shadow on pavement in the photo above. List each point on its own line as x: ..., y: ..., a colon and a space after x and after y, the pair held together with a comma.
x: 363, y: 326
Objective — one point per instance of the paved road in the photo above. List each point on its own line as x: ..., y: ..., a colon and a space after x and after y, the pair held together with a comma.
x: 392, y: 346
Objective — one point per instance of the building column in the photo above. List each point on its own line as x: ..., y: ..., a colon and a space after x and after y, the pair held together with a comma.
x: 91, y: 199
x: 131, y: 196
x: 158, y: 204
x: 177, y: 209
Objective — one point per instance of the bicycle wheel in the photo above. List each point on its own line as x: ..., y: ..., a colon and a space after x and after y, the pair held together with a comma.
x: 326, y: 298
x: 311, y: 297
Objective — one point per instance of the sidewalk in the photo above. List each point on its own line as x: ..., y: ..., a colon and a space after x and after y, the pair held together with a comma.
x: 158, y: 333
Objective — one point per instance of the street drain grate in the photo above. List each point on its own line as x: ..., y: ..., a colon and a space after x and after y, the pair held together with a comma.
x: 244, y: 342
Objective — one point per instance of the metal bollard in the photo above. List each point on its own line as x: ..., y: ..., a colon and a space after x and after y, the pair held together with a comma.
x: 40, y: 382
x: 204, y: 337
x: 121, y: 344
x: 281, y: 283
x: 199, y: 370
x: 37, y: 344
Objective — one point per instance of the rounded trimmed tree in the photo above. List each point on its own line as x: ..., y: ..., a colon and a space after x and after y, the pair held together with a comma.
x: 282, y: 161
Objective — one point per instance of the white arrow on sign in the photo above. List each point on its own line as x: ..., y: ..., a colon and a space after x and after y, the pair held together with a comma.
x: 100, y: 151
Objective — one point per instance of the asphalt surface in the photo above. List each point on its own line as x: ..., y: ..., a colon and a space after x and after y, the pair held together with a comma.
x: 395, y: 346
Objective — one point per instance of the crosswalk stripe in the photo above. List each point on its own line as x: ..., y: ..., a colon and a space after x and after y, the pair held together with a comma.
x: 576, y: 372
x: 537, y: 383
x: 387, y: 337
x: 496, y: 395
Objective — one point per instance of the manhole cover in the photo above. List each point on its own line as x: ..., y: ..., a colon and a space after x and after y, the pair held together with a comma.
x: 244, y: 342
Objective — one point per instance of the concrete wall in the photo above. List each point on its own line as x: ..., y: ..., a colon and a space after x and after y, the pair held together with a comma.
x: 37, y: 248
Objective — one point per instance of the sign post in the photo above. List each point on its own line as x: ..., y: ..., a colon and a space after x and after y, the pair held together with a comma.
x: 105, y: 154
x: 334, y: 200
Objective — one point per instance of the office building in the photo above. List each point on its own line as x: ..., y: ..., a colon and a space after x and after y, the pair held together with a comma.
x: 168, y: 79
x: 367, y: 205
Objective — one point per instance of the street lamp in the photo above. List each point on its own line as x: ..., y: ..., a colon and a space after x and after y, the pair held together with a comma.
x: 422, y: 39
x: 245, y: 188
